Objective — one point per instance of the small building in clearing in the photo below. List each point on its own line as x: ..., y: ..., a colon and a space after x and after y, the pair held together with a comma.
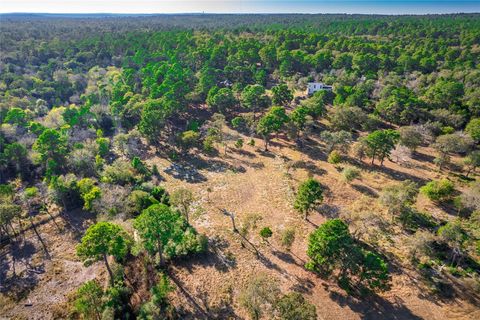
x: 313, y: 87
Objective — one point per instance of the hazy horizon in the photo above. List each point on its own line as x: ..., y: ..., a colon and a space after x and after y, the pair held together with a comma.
x: 242, y: 6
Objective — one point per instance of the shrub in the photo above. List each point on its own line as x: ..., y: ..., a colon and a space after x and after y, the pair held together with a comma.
x: 209, y: 144
x: 266, y: 233
x: 189, y: 139
x: 158, y: 307
x: 350, y: 173
x: 334, y: 157
x: 89, y: 300
x: 397, y: 197
x: 140, y: 166
x: 119, y: 172
x: 287, y: 238
x: 103, y: 146
x: 238, y: 123
x: 260, y: 295
x: 448, y: 130
x: 137, y: 201
x: 410, y: 137
x: 438, y: 191
x: 159, y: 193
x: 293, y: 306
x: 89, y: 192
x: 239, y: 143
x: 473, y: 129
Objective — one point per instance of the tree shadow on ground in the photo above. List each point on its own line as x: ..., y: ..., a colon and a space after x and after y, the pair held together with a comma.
x: 199, y: 313
x: 185, y: 172
x: 222, y: 310
x: 391, y: 173
x: 200, y: 303
x: 288, y: 257
x: 76, y: 221
x: 422, y: 157
x: 17, y: 275
x: 309, y: 166
x: 195, y: 163
x: 365, y: 190
x: 328, y: 210
x: 244, y: 153
x: 375, y: 307
x: 217, y: 256
x: 267, y: 154
x: 280, y: 142
x: 313, y: 150
x: 303, y: 285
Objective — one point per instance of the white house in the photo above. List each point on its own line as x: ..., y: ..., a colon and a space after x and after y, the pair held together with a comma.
x: 313, y: 87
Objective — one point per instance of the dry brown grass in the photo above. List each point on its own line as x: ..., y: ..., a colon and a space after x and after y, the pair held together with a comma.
x: 252, y: 183
x: 268, y: 191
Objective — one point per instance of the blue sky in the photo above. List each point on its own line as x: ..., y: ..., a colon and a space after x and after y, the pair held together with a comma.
x: 241, y: 6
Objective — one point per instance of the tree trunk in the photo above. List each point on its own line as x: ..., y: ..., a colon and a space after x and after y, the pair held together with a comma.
x: 110, y: 273
x: 468, y: 172
x: 265, y: 139
x: 186, y: 215
x: 160, y: 253
x: 233, y: 223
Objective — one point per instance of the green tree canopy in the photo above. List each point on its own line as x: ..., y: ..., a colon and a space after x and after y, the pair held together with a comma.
x: 308, y: 195
x: 101, y: 240
x: 254, y: 98
x: 380, y: 143
x: 281, y: 95
x: 271, y: 122
x: 52, y: 147
x: 333, y: 251
x: 165, y: 232
x: 221, y: 100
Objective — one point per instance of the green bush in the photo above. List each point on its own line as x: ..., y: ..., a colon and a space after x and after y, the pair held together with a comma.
x: 334, y: 157
x: 293, y: 306
x: 287, y: 238
x: 266, y: 233
x: 209, y: 144
x: 119, y: 172
x: 439, y: 190
x: 89, y: 300
x: 189, y: 139
x: 350, y: 173
x: 239, y: 143
x: 137, y: 201
x: 238, y: 123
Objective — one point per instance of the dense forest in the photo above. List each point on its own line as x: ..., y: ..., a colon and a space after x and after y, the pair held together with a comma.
x: 137, y: 152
